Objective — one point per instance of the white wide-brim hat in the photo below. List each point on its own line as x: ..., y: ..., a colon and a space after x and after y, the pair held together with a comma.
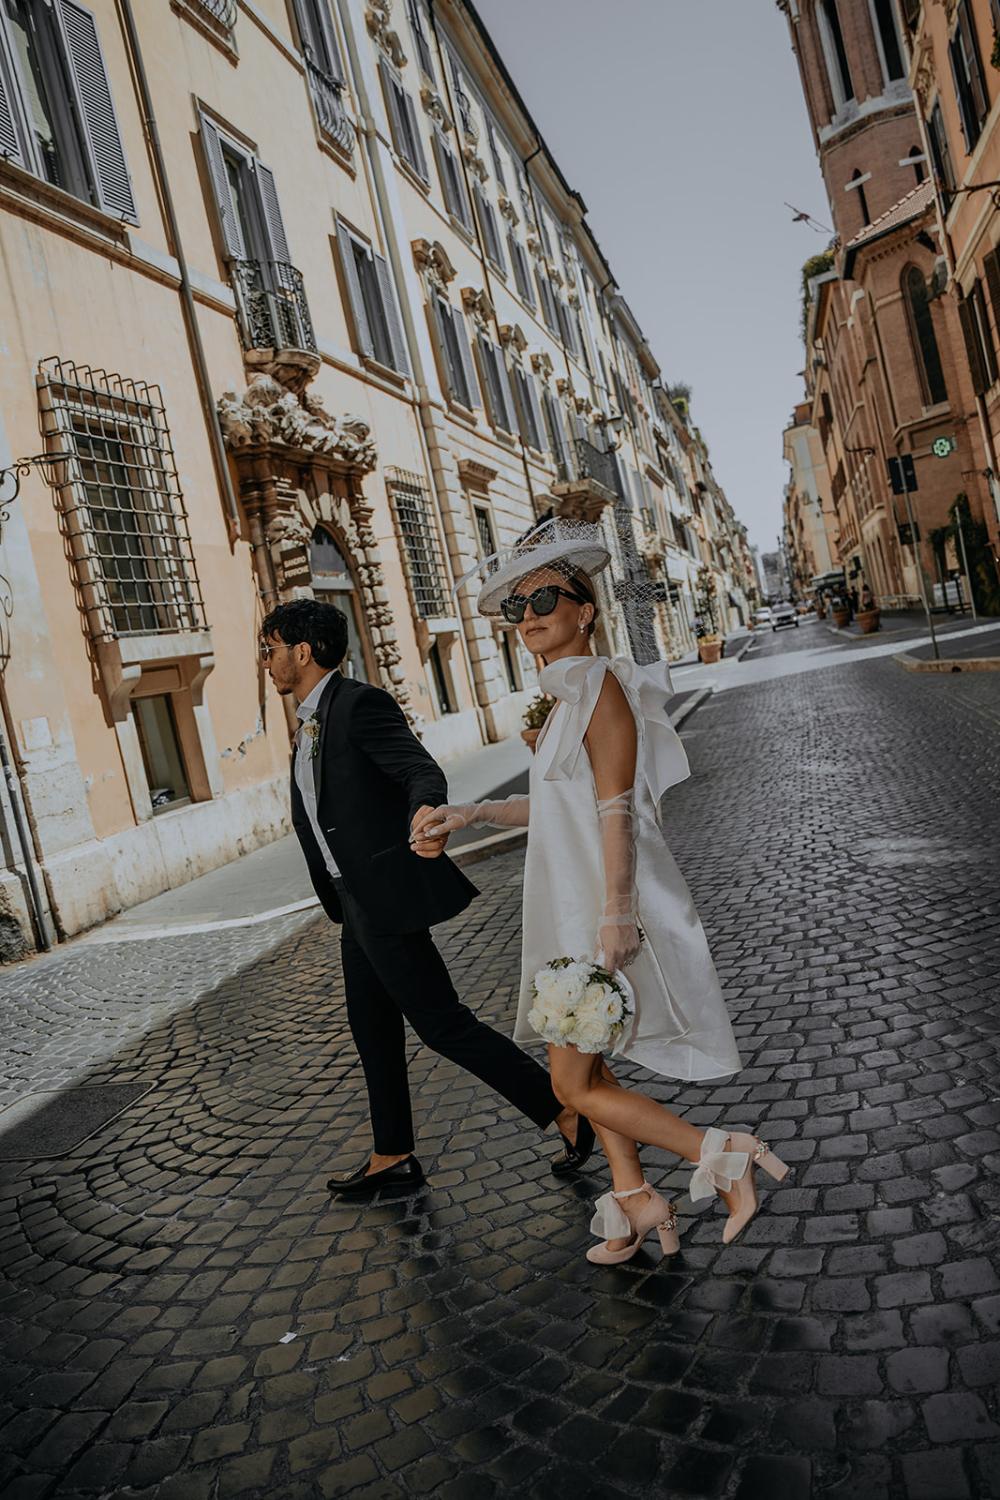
x: 567, y: 545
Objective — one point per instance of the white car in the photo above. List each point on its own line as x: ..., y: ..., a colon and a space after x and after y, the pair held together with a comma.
x: 784, y: 614
x: 762, y: 619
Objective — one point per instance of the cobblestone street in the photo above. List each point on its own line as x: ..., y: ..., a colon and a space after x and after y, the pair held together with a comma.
x: 185, y: 1314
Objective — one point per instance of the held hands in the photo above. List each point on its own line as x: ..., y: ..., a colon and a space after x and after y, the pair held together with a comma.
x: 425, y: 839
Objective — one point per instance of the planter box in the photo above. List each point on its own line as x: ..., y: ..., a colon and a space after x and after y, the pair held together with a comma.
x: 841, y: 617
x: 868, y: 620
x: 709, y: 651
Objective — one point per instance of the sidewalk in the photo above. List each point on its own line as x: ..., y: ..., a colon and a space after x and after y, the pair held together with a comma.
x: 273, y: 882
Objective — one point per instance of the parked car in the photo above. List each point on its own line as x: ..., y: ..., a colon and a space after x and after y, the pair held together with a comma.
x: 762, y: 619
x: 784, y: 614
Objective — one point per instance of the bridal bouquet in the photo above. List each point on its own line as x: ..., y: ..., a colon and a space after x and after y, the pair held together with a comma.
x: 578, y: 1004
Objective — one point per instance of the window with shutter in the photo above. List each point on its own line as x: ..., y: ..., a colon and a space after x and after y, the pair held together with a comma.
x: 12, y: 127
x: 558, y: 442
x: 452, y: 185
x: 972, y: 347
x: 57, y: 115
x: 497, y: 159
x: 967, y: 74
x: 277, y: 242
x: 522, y: 272
x: 548, y: 302
x: 940, y: 153
x: 403, y: 121
x: 457, y: 367
x: 496, y: 385
x: 103, y: 138
x: 984, y: 333
x: 371, y: 296
x: 418, y: 28
x: 488, y: 225
x: 230, y: 225
x: 922, y: 329
x: 528, y: 414
x: 324, y: 69
x: 567, y: 327
x: 893, y: 66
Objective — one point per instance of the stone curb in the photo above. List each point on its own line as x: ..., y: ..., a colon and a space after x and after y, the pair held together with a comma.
x: 948, y: 663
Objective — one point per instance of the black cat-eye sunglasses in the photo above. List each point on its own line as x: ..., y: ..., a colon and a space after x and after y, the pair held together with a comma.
x: 543, y: 601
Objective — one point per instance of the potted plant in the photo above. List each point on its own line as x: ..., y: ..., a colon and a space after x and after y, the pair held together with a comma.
x: 841, y: 611
x: 710, y: 641
x: 534, y: 718
x: 868, y: 614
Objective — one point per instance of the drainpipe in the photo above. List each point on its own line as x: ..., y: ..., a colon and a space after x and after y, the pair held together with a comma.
x: 219, y: 457
x: 425, y: 428
x: 13, y: 776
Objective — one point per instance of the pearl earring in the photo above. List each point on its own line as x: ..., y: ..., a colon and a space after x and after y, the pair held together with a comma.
x: 582, y: 628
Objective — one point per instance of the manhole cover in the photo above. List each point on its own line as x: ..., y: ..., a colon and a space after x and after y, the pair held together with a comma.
x: 53, y: 1123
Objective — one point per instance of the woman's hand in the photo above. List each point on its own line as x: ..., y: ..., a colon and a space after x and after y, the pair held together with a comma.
x: 422, y: 841
x: 618, y: 941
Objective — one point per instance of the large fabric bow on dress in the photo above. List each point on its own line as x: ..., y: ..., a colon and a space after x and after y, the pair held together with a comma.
x: 577, y: 681
x: 717, y: 1168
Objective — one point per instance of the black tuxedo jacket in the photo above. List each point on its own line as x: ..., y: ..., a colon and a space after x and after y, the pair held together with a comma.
x: 372, y: 773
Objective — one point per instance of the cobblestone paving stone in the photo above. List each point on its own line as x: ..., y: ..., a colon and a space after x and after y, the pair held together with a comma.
x: 841, y: 837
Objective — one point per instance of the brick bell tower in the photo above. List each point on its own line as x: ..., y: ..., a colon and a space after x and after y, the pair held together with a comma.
x: 853, y: 66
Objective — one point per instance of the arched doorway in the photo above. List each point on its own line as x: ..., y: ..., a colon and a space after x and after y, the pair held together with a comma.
x: 333, y: 583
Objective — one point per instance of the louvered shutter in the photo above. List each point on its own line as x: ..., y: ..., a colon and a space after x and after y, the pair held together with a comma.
x: 468, y: 364
x: 232, y: 231
x: 277, y: 242
x: 394, y: 323
x: 511, y: 423
x: 962, y: 95
x: 557, y: 432
x: 10, y: 141
x: 977, y: 83
x: 418, y: 160
x: 359, y: 314
x: 991, y: 265
x: 97, y: 110
x: 392, y: 105
x: 536, y: 412
x: 972, y: 349
x: 317, y: 34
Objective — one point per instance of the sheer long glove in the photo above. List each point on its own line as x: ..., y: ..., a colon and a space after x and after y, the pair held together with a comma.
x: 618, y: 936
x: 512, y: 812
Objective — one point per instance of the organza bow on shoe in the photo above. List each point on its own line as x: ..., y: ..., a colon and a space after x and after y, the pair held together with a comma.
x: 610, y: 1221
x: 717, y: 1168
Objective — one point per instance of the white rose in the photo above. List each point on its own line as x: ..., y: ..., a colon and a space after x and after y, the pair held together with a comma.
x: 546, y: 982
x: 595, y: 992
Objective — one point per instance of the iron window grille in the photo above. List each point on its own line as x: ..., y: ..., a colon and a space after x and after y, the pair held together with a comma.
x: 121, y: 510
x: 222, y: 11
x: 591, y: 463
x: 421, y: 549
x: 271, y: 305
x: 484, y: 527
x: 328, y: 98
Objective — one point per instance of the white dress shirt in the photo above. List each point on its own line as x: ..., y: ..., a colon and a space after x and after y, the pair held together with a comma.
x: 305, y: 778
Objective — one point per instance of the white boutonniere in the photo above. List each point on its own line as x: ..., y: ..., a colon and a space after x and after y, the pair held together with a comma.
x: 310, y: 731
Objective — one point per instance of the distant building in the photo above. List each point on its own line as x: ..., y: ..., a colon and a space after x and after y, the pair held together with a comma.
x: 775, y: 577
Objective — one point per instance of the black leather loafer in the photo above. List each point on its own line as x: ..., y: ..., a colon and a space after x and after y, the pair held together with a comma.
x: 577, y: 1152
x: 362, y: 1183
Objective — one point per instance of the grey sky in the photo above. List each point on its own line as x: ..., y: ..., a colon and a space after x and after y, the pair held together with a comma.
x: 682, y: 124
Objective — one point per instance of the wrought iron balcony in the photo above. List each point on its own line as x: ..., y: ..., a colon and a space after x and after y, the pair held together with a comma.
x: 328, y: 97
x: 271, y: 305
x: 591, y: 463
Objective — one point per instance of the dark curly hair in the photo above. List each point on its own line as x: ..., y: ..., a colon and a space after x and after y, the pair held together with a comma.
x: 322, y: 627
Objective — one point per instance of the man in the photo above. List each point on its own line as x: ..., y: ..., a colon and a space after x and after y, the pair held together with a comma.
x: 359, y: 779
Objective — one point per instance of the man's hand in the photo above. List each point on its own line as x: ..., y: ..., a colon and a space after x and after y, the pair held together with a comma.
x: 427, y: 848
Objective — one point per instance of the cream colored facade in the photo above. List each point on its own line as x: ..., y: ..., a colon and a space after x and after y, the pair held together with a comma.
x: 809, y: 516
x: 333, y: 323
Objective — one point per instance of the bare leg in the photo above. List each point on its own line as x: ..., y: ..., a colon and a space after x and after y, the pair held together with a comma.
x: 623, y: 1158
x: 623, y: 1111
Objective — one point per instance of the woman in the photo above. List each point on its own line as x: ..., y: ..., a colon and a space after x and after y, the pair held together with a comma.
x: 599, y: 879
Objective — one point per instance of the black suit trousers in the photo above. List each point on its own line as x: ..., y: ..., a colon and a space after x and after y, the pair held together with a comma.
x: 392, y: 977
